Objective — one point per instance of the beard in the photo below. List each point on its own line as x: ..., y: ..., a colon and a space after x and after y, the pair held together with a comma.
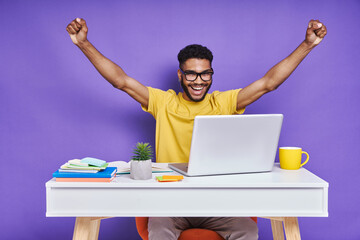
x: 186, y: 91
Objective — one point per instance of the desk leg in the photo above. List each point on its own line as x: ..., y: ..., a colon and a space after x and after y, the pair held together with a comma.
x: 86, y: 228
x: 277, y: 229
x: 291, y: 227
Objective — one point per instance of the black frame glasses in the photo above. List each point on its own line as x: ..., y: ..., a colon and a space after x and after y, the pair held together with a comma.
x: 191, y: 76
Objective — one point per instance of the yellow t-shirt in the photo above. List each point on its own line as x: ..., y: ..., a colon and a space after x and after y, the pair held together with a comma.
x: 175, y: 119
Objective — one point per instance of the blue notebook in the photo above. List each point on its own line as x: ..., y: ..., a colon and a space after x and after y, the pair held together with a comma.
x: 107, y: 173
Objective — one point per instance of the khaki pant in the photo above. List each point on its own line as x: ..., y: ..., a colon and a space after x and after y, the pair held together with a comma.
x: 230, y: 228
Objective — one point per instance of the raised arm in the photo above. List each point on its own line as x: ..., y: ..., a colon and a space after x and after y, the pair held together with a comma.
x: 113, y: 73
x: 315, y: 33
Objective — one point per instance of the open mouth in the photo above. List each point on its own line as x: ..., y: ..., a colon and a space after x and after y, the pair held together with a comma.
x: 197, y: 90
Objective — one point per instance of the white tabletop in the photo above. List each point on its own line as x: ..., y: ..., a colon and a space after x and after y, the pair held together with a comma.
x: 276, y: 178
x: 276, y: 193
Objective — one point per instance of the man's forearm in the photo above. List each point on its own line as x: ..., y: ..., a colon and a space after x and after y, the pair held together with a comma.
x: 281, y: 71
x: 109, y: 70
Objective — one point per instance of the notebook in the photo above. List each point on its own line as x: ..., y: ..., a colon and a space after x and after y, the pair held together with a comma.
x: 229, y: 144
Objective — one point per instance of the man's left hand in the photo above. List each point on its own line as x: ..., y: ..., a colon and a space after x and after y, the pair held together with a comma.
x: 315, y: 33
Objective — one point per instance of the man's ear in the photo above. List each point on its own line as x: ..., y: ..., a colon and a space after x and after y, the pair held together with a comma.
x: 179, y: 75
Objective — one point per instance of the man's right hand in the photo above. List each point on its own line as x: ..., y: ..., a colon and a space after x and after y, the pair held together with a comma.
x: 113, y: 73
x: 77, y: 30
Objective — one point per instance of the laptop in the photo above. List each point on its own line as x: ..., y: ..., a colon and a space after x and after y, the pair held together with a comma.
x: 230, y: 144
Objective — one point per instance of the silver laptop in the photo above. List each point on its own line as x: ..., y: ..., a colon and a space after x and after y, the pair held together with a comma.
x: 229, y: 144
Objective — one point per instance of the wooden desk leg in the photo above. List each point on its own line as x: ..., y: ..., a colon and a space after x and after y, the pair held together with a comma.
x: 277, y: 229
x: 86, y: 228
x: 291, y: 227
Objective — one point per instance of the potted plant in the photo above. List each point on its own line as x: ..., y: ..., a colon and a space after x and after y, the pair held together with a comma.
x: 140, y: 164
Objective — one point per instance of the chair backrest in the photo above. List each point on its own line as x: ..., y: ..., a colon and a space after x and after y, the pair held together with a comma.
x: 142, y: 227
x: 190, y: 234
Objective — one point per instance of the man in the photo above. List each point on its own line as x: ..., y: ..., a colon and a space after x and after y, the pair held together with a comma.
x: 174, y: 113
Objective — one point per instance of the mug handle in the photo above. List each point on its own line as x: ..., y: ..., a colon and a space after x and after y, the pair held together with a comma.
x: 307, y: 159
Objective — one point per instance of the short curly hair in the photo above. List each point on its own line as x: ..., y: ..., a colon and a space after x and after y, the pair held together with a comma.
x: 194, y: 51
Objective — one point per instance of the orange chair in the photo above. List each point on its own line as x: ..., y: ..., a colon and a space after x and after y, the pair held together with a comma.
x: 189, y: 234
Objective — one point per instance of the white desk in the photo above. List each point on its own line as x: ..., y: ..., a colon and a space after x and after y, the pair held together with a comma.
x: 282, y: 195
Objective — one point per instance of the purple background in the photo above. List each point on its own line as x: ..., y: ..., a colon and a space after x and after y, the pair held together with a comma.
x: 55, y: 106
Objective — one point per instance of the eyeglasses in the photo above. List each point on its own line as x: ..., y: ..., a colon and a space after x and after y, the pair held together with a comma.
x: 192, y: 76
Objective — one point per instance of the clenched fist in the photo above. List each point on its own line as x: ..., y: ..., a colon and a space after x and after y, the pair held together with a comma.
x: 77, y: 30
x: 315, y: 33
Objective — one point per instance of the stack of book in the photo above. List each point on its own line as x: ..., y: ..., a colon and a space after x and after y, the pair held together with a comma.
x: 85, y: 170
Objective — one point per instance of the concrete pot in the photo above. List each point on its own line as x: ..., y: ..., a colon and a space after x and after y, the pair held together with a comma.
x: 140, y: 170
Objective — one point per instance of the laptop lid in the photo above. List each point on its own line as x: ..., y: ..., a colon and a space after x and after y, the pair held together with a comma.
x: 227, y: 144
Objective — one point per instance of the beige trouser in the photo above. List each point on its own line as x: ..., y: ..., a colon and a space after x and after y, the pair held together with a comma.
x: 230, y: 228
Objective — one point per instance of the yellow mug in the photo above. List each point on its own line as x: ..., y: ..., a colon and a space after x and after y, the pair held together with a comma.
x: 290, y: 158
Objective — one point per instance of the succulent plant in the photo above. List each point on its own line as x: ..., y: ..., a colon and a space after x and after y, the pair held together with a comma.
x: 142, y: 152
